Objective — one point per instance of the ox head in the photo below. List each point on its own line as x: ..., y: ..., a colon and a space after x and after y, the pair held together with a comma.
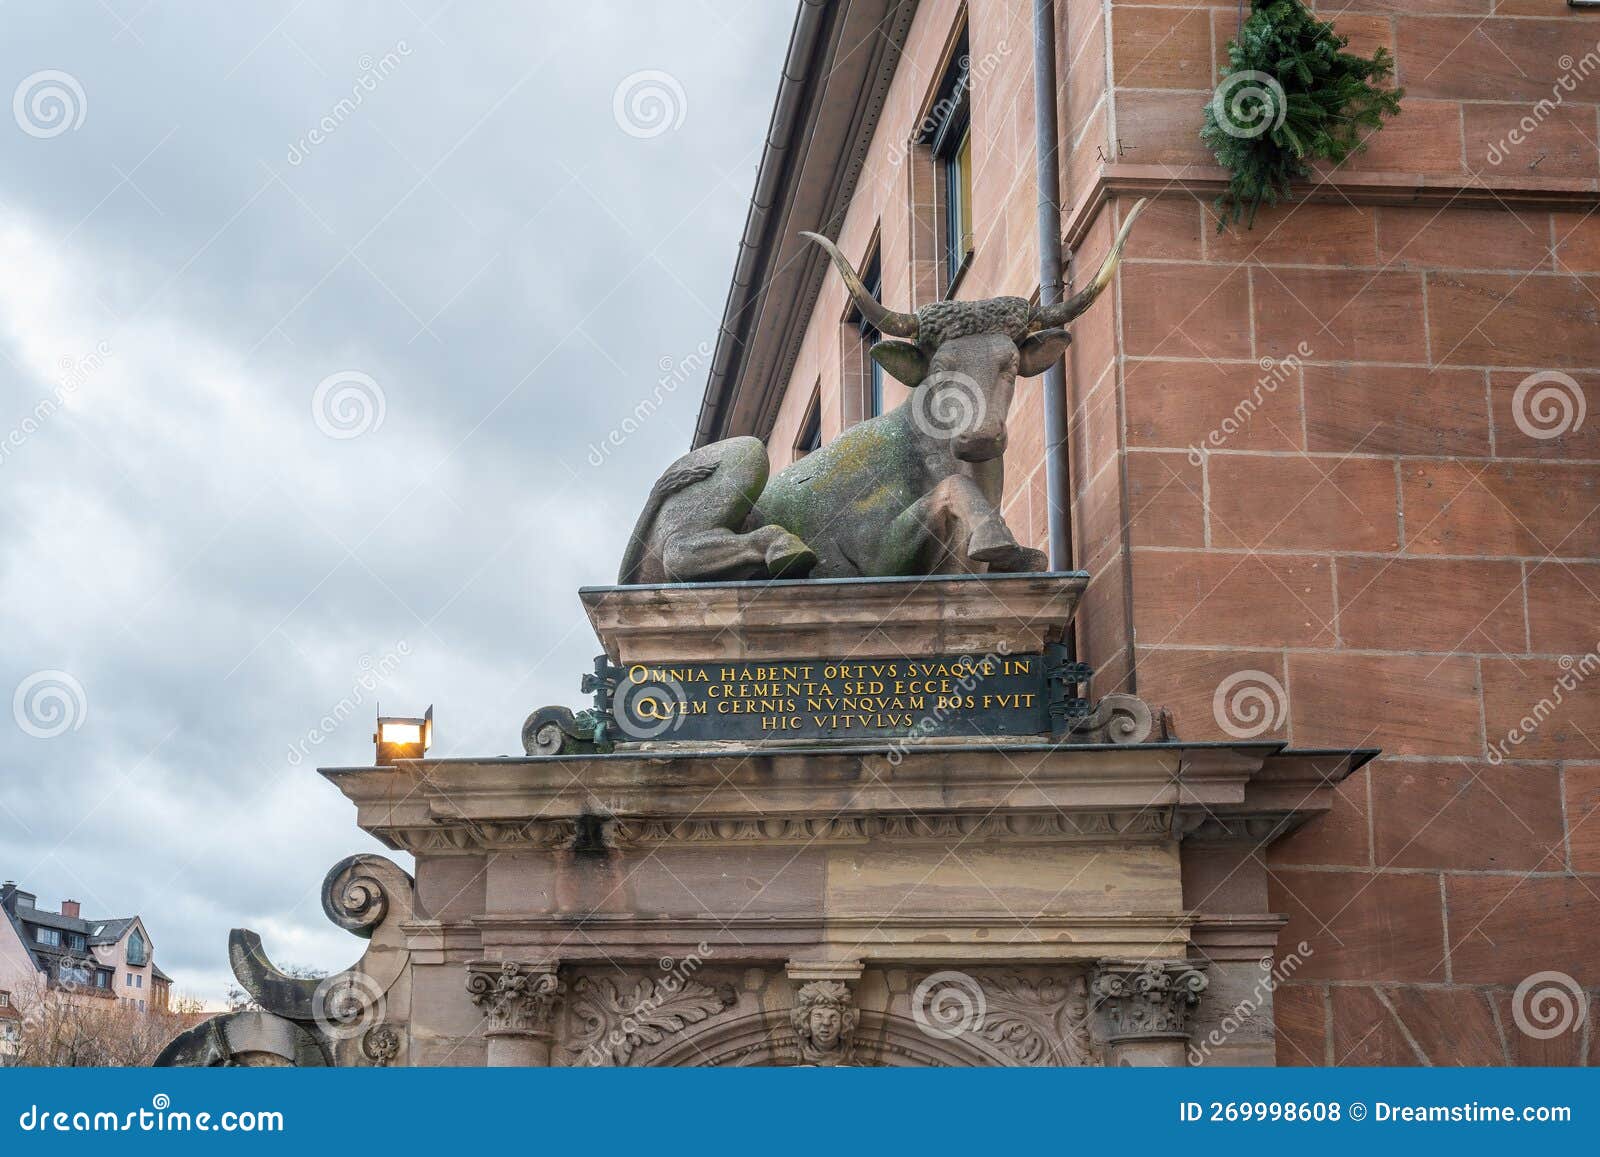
x: 962, y: 358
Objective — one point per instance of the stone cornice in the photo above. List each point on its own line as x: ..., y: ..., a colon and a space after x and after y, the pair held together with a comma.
x: 927, y: 792
x: 1431, y: 190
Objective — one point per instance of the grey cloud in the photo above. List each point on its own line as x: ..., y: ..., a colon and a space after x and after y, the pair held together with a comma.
x: 479, y: 237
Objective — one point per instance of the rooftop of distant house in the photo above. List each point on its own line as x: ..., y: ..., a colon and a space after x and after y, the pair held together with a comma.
x: 78, y: 933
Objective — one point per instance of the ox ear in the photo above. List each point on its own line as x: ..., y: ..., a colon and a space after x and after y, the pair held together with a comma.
x: 1039, y: 352
x: 901, y: 360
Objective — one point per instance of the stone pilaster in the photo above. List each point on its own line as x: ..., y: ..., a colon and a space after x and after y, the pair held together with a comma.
x: 1145, y: 1009
x: 519, y: 1001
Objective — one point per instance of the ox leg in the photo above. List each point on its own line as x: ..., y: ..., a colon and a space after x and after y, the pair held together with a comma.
x: 700, y: 525
x: 955, y: 527
x: 718, y: 553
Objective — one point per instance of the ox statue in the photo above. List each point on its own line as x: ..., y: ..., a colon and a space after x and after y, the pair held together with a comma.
x: 915, y: 491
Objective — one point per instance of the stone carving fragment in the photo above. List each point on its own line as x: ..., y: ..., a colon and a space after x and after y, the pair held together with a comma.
x: 824, y: 1019
x: 615, y: 1023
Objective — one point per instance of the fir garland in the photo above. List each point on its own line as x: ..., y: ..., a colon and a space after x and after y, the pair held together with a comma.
x: 1290, y: 95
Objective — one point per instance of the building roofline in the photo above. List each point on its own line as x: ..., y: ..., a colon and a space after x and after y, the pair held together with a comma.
x: 842, y: 56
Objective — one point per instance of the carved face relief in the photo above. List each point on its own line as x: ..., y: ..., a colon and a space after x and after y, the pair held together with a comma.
x: 826, y: 1024
x: 824, y: 1020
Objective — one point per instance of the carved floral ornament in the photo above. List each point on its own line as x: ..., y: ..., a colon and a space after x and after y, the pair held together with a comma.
x: 1147, y: 999
x: 515, y: 998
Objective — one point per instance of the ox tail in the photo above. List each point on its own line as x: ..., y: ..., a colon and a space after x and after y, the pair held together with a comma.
x: 683, y: 473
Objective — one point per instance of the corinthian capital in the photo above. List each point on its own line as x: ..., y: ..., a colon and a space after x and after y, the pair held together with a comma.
x: 1149, y: 999
x: 516, y: 998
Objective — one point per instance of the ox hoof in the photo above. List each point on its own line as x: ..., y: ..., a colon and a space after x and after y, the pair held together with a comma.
x: 790, y: 558
x: 992, y: 543
x: 1020, y: 560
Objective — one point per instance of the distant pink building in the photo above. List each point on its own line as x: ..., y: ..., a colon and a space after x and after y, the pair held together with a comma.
x: 107, y: 959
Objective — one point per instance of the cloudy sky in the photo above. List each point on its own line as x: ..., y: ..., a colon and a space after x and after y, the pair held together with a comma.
x: 312, y: 316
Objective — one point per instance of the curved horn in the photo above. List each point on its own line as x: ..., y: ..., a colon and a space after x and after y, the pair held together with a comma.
x: 883, y: 320
x: 1052, y: 316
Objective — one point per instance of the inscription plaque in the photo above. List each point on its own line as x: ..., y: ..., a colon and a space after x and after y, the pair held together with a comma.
x: 840, y: 698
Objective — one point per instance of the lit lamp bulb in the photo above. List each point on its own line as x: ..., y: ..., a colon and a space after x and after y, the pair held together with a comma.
x: 403, y: 737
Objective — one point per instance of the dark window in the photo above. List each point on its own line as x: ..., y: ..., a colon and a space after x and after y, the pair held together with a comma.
x: 102, y: 980
x: 76, y: 941
x: 871, y: 371
x: 810, y: 437
x: 951, y: 141
x: 47, y: 936
x: 136, y: 950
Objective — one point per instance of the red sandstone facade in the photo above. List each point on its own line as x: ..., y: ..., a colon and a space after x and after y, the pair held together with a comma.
x: 1369, y: 526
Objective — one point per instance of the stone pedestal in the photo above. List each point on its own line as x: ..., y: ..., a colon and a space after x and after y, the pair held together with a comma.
x: 955, y: 901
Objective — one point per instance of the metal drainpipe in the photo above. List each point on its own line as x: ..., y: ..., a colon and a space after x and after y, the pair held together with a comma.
x: 1057, y: 477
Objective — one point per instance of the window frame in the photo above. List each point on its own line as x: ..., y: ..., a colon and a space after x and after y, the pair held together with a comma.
x: 808, y: 438
x: 950, y: 143
x: 49, y: 937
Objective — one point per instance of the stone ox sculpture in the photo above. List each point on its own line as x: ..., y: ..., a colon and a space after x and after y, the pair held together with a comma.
x: 912, y: 492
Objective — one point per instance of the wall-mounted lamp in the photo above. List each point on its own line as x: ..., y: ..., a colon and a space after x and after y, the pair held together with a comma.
x: 403, y: 737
